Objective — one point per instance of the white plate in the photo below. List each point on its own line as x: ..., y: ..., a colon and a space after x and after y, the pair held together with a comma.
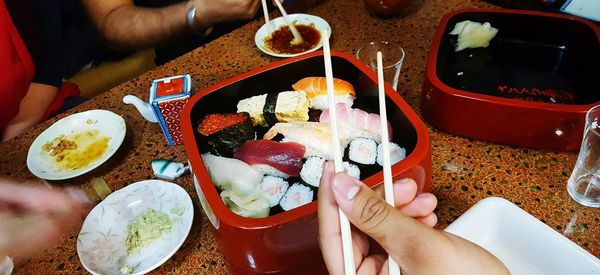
x: 101, y: 242
x: 522, y: 242
x: 300, y: 18
x: 108, y: 124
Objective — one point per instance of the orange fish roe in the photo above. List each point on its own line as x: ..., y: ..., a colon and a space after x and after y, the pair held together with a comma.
x: 214, y: 123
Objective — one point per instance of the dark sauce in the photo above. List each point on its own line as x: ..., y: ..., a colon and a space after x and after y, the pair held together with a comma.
x: 280, y: 40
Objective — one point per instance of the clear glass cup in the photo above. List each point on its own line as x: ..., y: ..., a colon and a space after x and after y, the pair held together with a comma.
x: 393, y: 55
x: 584, y: 183
x: 6, y: 266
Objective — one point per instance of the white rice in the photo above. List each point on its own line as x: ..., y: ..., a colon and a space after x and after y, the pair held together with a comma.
x: 321, y: 103
x: 312, y: 170
x: 352, y: 170
x: 273, y: 189
x: 363, y: 150
x: 296, y: 196
x: 269, y: 170
x: 397, y: 153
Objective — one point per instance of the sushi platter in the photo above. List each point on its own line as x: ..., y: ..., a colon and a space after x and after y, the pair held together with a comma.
x: 257, y: 144
x: 271, y: 175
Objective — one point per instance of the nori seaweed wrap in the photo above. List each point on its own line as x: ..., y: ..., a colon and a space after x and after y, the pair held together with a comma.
x: 226, y: 132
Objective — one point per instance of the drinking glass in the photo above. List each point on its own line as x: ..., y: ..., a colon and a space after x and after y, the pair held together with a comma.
x: 6, y: 266
x: 393, y: 55
x: 584, y: 183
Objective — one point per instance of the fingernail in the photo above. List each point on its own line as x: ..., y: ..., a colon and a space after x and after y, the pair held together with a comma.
x: 404, y: 181
x: 345, y: 186
x: 78, y: 195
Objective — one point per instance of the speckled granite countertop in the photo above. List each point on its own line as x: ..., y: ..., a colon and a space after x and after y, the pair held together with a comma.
x: 464, y: 170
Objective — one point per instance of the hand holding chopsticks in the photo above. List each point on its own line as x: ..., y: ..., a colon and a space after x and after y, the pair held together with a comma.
x: 347, y: 247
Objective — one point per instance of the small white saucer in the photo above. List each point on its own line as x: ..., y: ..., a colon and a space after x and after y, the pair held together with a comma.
x: 299, y: 18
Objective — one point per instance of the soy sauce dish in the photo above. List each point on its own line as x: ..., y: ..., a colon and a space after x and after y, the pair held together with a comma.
x: 273, y: 38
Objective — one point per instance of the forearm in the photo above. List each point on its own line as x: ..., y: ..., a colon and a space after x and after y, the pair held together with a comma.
x: 132, y: 27
x: 31, y: 109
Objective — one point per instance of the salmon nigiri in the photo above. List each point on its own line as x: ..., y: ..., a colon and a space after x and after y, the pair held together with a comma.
x: 316, y: 91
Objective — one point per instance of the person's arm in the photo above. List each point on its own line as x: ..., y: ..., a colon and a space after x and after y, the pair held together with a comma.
x: 33, y: 217
x: 31, y: 109
x: 125, y: 25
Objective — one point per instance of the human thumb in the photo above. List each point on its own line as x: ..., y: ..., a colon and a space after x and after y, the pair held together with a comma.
x: 371, y: 214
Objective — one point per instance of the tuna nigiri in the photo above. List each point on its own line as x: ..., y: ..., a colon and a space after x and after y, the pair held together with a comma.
x: 365, y: 124
x: 280, y: 159
x: 316, y: 91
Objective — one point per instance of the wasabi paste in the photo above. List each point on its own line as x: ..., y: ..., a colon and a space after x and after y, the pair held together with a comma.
x: 146, y: 228
x: 126, y: 270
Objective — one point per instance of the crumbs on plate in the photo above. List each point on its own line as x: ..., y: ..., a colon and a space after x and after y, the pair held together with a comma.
x: 59, y: 145
x: 77, y: 150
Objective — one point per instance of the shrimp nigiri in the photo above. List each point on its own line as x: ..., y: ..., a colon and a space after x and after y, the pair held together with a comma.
x: 357, y: 120
x: 316, y: 91
x: 316, y: 137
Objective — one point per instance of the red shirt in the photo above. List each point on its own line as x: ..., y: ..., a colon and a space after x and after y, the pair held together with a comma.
x: 16, y: 68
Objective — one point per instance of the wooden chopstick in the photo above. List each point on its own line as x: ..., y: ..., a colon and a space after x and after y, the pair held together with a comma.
x: 349, y: 265
x: 388, y: 186
x: 297, y: 37
x: 266, y: 14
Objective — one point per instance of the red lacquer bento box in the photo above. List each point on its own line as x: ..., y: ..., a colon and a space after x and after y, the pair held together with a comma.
x: 287, y: 241
x: 530, y: 87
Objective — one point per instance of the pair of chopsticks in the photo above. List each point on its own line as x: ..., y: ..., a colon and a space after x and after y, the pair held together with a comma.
x: 349, y: 264
x: 297, y: 37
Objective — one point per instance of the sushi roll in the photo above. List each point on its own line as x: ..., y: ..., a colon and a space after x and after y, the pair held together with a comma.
x: 273, y: 189
x: 363, y: 150
x: 316, y: 91
x: 312, y: 170
x: 296, y: 196
x: 352, y: 170
x: 268, y: 109
x: 397, y: 153
x: 225, y: 132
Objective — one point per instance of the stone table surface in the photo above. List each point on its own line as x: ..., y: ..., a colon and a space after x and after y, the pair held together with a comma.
x: 464, y: 170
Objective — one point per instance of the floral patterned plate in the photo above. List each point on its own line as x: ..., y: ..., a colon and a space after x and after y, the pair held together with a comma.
x: 101, y: 242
